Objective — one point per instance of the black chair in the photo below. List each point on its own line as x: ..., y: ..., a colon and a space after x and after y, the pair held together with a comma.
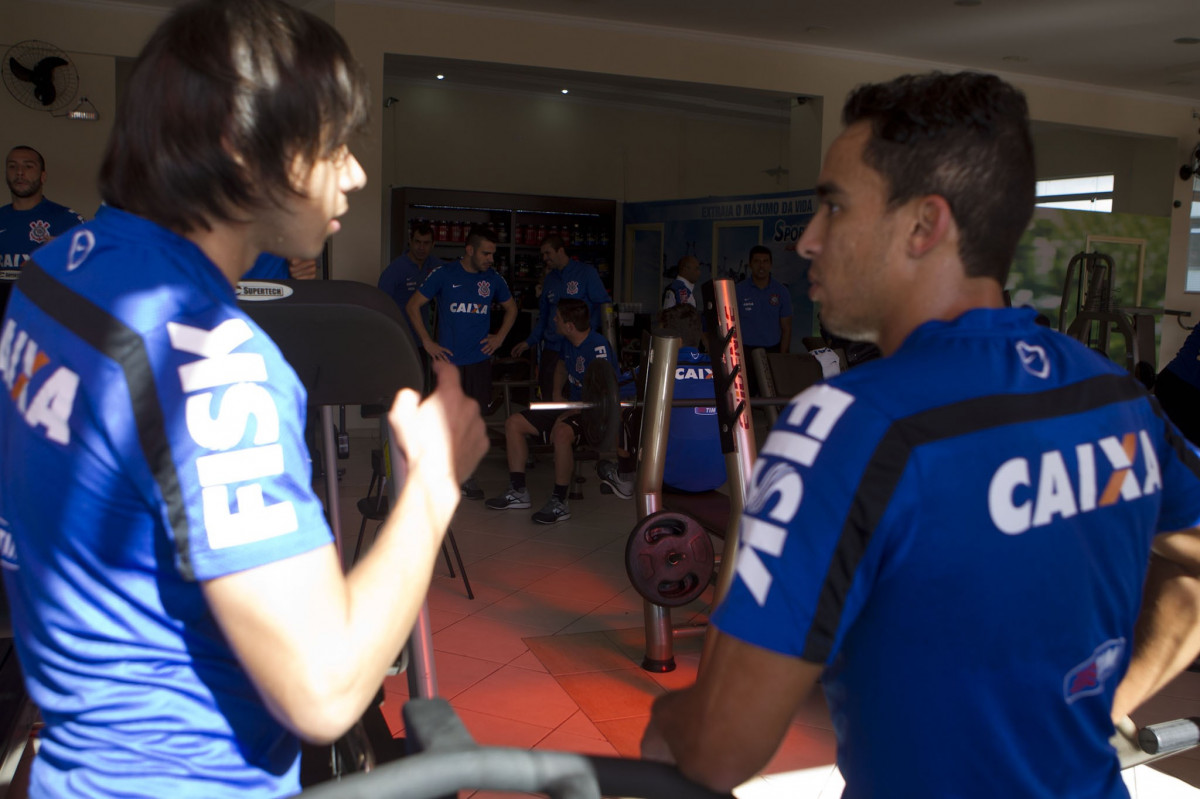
x: 374, y: 507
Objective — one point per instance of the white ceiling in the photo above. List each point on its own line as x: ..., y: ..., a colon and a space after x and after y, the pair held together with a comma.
x: 1122, y: 44
x: 1126, y: 45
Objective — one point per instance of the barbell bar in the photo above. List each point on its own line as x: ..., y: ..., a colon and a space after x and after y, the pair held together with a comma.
x: 580, y: 405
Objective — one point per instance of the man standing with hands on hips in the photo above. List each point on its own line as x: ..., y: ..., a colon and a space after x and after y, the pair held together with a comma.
x: 465, y: 290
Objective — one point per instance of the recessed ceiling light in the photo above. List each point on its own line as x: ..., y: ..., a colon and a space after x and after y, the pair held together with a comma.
x: 1017, y: 59
x: 441, y: 77
x: 565, y: 91
x: 1187, y: 40
x: 968, y: 2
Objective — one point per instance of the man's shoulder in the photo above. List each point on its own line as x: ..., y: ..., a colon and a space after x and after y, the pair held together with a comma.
x: 48, y: 206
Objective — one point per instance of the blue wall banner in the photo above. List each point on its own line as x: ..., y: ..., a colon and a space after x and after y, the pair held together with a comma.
x: 719, y: 232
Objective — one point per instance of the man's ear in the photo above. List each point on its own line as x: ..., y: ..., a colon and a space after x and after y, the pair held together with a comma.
x: 932, y: 222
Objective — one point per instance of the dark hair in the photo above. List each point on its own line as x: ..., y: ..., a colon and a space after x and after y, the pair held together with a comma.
x: 555, y: 241
x: 684, y: 321
x: 41, y: 160
x: 964, y: 137
x: 759, y: 249
x: 421, y: 227
x: 223, y: 100
x: 479, y: 234
x: 575, y: 313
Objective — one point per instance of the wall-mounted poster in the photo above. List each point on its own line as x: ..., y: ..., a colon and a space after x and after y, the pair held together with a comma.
x: 719, y: 232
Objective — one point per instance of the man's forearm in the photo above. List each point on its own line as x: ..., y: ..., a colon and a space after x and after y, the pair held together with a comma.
x: 413, y: 309
x: 1167, y: 637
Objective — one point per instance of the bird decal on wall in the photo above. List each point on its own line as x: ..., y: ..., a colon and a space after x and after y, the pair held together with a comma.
x: 41, y: 76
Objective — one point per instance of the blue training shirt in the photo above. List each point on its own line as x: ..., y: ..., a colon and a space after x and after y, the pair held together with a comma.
x: 759, y: 312
x: 464, y: 308
x: 694, y: 460
x: 22, y: 232
x: 268, y: 267
x: 959, y: 533
x: 577, y: 281
x: 403, y: 277
x: 160, y: 437
x: 1186, y: 363
x: 577, y: 359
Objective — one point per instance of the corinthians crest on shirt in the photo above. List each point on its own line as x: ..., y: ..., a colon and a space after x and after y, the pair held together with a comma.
x: 572, y: 286
x: 485, y: 288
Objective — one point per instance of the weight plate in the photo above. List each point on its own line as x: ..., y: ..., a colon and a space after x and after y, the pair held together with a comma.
x: 669, y: 558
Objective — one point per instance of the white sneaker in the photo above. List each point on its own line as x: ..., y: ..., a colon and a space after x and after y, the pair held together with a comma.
x: 555, y: 510
x: 512, y: 500
x: 622, y: 487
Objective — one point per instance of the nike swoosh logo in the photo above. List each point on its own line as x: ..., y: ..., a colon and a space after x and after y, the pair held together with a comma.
x: 456, y: 285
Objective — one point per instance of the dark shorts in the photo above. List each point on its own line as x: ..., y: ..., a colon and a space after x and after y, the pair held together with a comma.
x: 543, y: 422
x: 477, y: 382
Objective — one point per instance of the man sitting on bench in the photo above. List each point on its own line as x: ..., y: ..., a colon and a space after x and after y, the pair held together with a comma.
x: 694, y: 461
x: 581, y: 345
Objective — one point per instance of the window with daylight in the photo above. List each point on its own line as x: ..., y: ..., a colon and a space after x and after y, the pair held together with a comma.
x: 1193, y: 265
x: 1088, y: 193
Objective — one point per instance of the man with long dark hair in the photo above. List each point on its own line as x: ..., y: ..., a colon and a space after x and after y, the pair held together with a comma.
x: 954, y: 537
x: 179, y: 607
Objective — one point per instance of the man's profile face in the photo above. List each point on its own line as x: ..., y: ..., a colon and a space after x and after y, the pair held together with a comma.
x: 298, y: 227
x: 554, y: 258
x: 23, y: 173
x: 760, y: 266
x: 419, y: 246
x: 481, y: 257
x: 560, y: 326
x: 854, y: 242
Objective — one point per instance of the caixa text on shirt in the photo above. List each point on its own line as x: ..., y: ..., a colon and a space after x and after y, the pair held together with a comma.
x: 1031, y: 492
x: 43, y: 392
x: 230, y: 413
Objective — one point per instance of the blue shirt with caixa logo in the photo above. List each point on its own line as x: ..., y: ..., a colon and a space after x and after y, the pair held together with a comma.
x: 464, y: 308
x: 22, y: 232
x: 160, y: 437
x: 959, y: 534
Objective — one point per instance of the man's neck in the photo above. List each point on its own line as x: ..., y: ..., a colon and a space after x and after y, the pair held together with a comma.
x: 466, y: 265
x: 576, y: 337
x: 228, y: 246
x: 25, y: 203
x: 762, y: 284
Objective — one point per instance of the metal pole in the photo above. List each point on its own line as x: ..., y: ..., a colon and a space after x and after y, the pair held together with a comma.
x: 422, y: 674
x: 737, y: 427
x: 652, y: 453
x: 332, y: 498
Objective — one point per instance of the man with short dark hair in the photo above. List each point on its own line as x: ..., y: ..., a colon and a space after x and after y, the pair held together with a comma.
x: 178, y: 603
x: 565, y: 277
x: 682, y: 290
x: 952, y: 538
x: 581, y: 346
x: 764, y: 306
x: 30, y: 220
x: 405, y: 275
x: 465, y: 291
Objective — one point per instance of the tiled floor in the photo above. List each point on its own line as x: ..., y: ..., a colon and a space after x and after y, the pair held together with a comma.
x: 547, y: 654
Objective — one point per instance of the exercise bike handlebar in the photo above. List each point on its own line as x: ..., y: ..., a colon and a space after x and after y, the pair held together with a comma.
x: 448, y: 760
